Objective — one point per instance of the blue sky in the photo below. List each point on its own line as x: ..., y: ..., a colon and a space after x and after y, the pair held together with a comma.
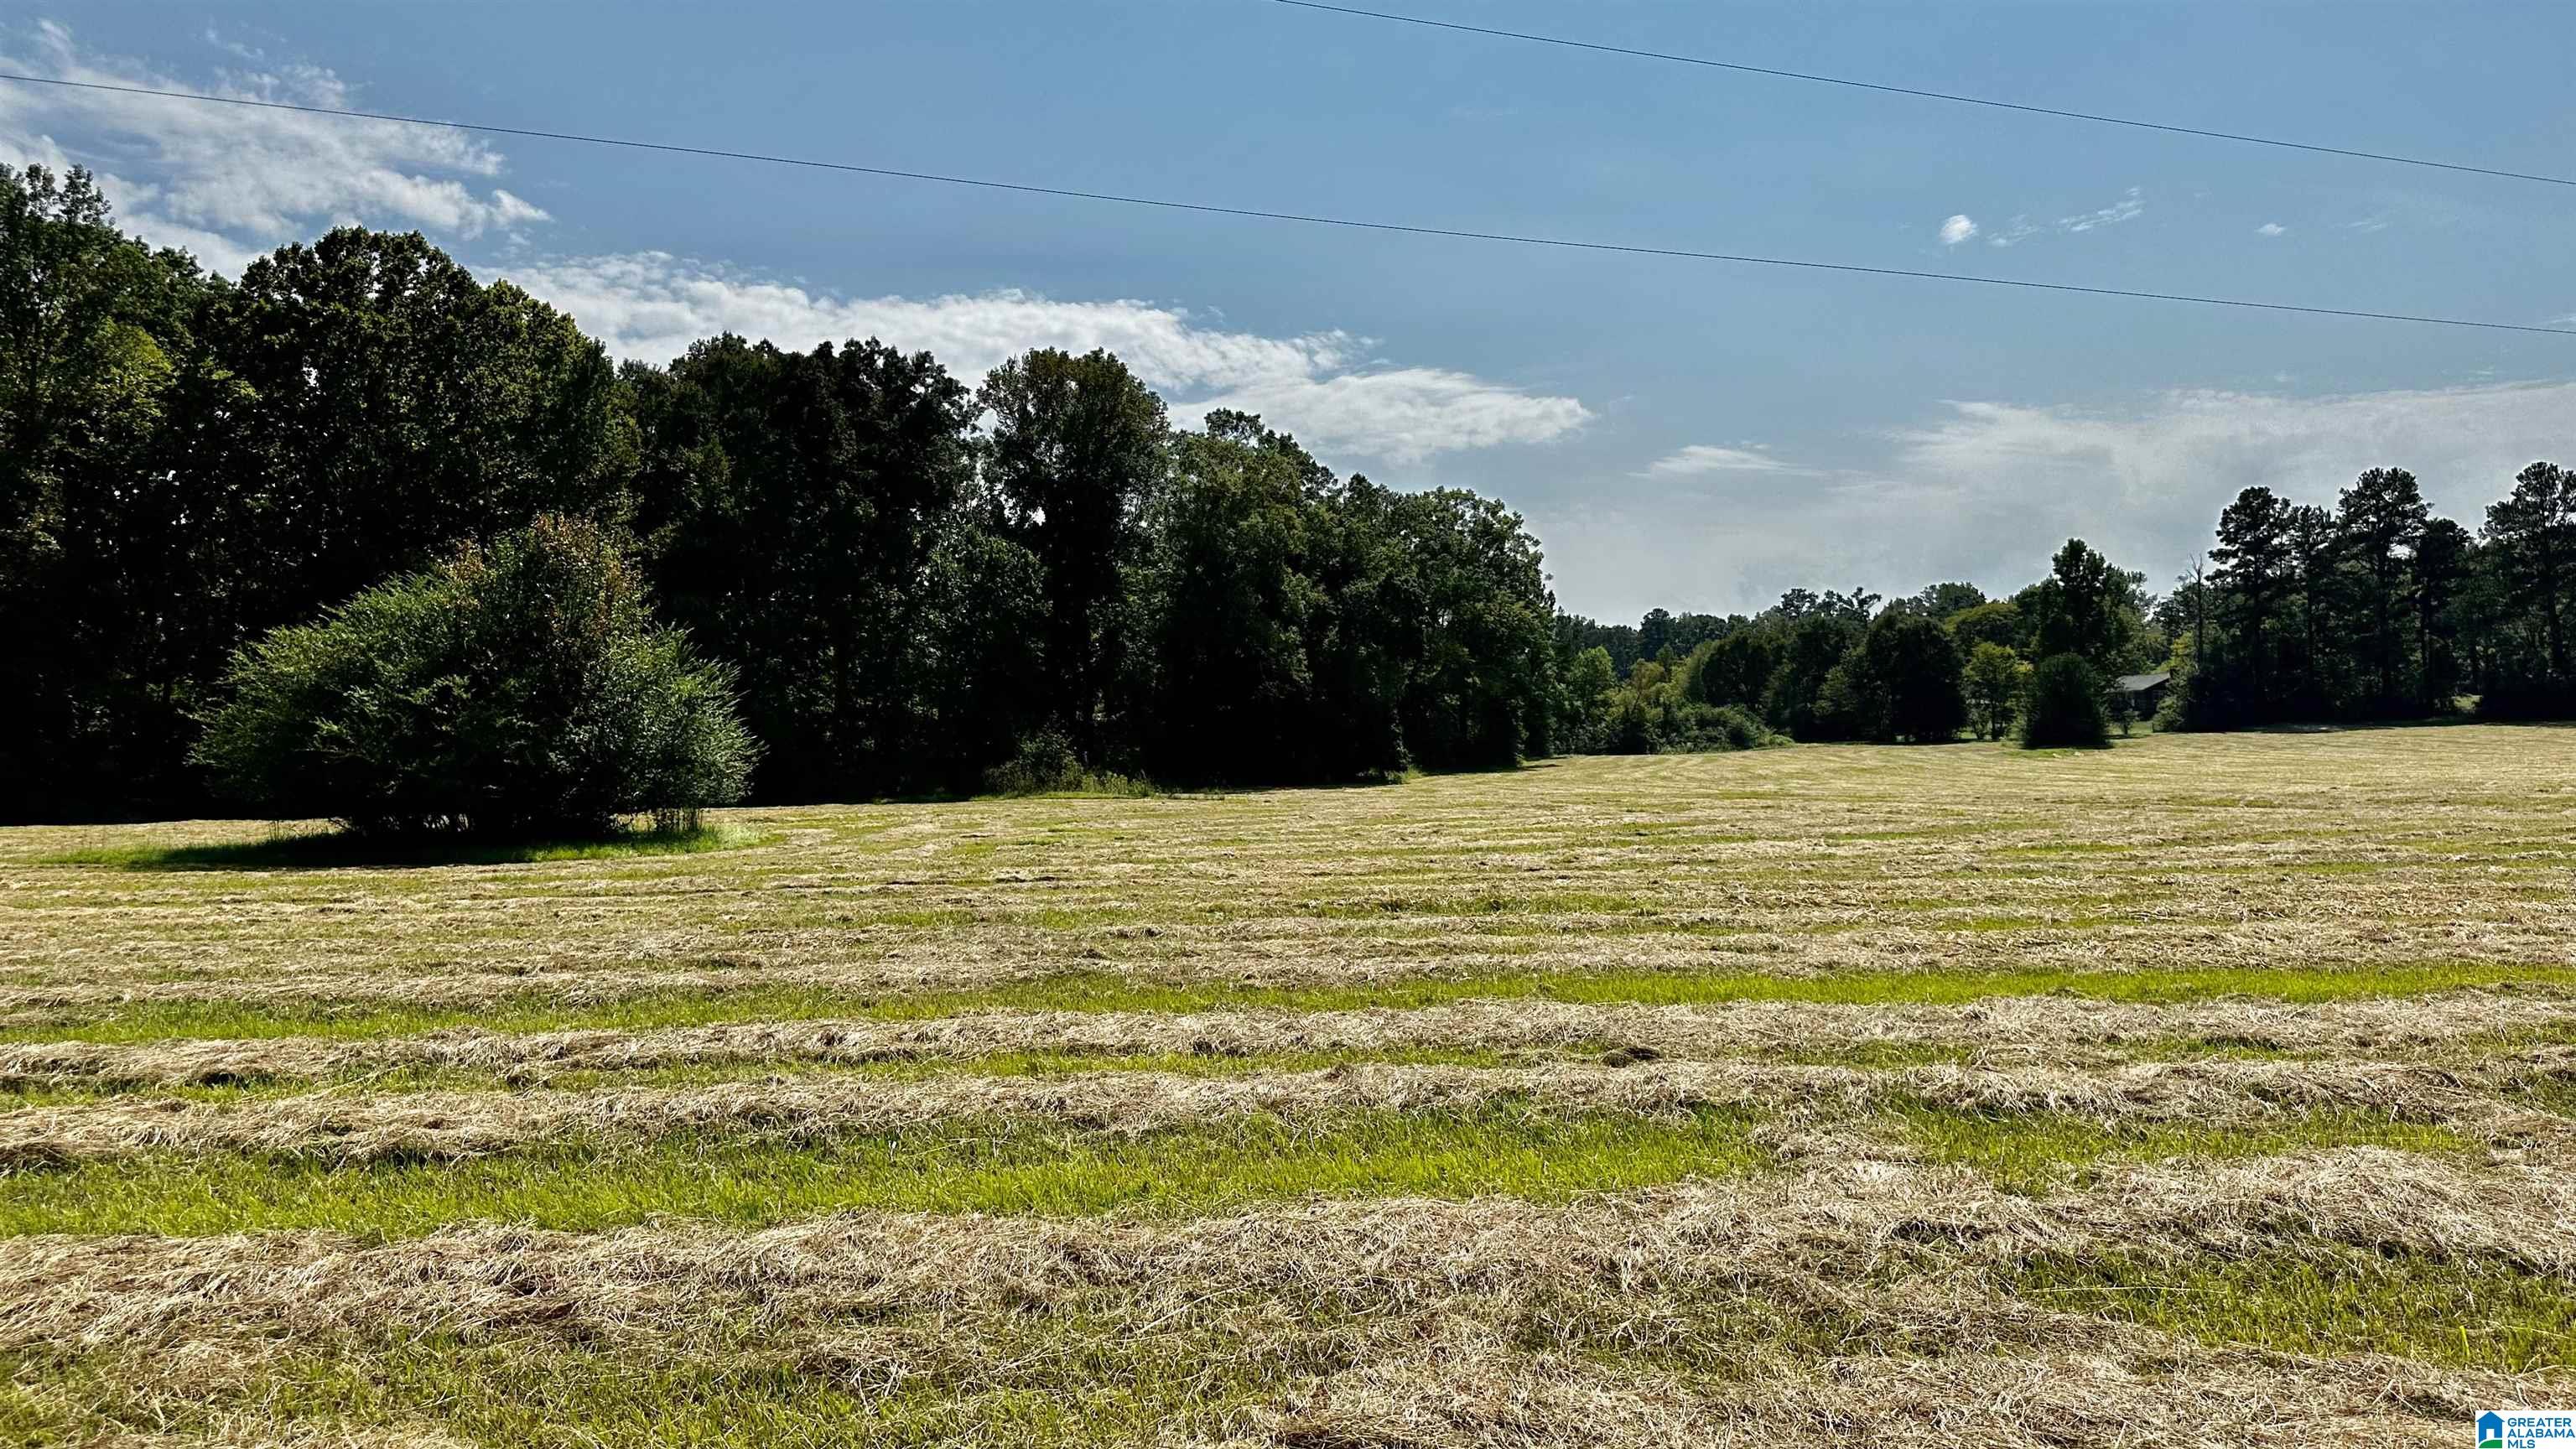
x: 1679, y: 433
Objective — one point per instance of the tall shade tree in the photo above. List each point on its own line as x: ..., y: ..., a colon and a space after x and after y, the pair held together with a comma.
x: 1231, y: 607
x: 1912, y: 670
x: 2533, y: 533
x: 2381, y: 518
x: 2084, y: 607
x: 382, y: 406
x: 104, y: 594
x: 798, y: 509
x: 1992, y: 683
x: 2315, y: 557
x: 1077, y: 446
x: 2445, y: 555
x: 1481, y: 695
x: 2257, y: 569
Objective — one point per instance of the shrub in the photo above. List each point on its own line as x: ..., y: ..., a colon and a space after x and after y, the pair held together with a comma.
x: 2064, y: 706
x: 521, y: 689
x: 1699, y: 728
x: 1046, y: 764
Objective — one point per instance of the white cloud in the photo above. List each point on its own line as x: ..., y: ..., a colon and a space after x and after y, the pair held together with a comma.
x: 1704, y: 458
x: 230, y: 182
x: 2018, y: 229
x: 1322, y: 386
x: 1957, y: 229
x: 1986, y: 491
x: 2270, y: 228
x: 2147, y: 485
x: 2130, y: 206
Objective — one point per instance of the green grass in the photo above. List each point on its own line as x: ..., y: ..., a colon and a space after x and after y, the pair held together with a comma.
x: 956, y: 1167
x: 2035, y: 1152
x: 332, y: 849
x: 2463, y: 1313
x: 1096, y: 991
x: 540, y: 1076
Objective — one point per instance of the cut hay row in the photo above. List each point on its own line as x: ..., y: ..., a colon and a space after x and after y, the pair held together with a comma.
x: 1632, y: 1318
x: 1564, y: 923
x: 2008, y: 1030
x: 1832, y: 1221
x: 360, y: 1126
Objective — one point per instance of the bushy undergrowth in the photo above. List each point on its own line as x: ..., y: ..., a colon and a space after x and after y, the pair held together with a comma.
x: 1047, y: 765
x: 520, y: 689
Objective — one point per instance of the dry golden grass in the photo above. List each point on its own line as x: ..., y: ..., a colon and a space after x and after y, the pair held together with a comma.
x: 2206, y: 1090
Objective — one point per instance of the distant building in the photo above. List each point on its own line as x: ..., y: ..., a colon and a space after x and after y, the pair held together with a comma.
x: 2143, y: 691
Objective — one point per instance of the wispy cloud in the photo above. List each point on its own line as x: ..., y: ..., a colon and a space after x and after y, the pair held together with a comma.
x: 2271, y: 228
x: 1324, y: 386
x: 1957, y: 229
x: 2130, y: 206
x: 1700, y: 459
x: 230, y: 182
x: 1985, y: 491
x: 2017, y: 230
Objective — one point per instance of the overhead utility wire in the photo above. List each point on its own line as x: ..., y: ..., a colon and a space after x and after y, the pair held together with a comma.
x: 1348, y: 223
x: 1919, y: 94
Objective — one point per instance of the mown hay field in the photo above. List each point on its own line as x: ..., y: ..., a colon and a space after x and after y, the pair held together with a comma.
x: 2209, y: 1090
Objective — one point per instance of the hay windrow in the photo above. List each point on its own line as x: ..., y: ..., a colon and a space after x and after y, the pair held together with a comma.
x: 2000, y: 1031
x: 1830, y: 1225
x: 359, y: 1127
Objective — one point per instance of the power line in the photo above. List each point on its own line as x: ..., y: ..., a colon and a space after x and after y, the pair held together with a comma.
x: 1919, y: 94
x: 1258, y: 214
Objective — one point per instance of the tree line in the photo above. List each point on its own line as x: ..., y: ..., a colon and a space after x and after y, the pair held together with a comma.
x: 910, y: 582
x: 907, y: 584
x: 1854, y: 665
x: 2379, y: 609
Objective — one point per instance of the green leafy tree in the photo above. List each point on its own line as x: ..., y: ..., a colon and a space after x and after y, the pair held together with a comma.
x: 2256, y: 570
x: 1591, y: 689
x: 381, y: 406
x: 109, y: 615
x: 1480, y: 695
x: 798, y: 509
x: 1906, y: 680
x: 1229, y: 608
x: 2532, y: 533
x: 2064, y: 706
x: 1797, y: 702
x: 2084, y: 607
x: 1940, y: 602
x: 2381, y: 520
x: 1077, y: 446
x: 1992, y: 683
x: 520, y: 689
x: 2444, y: 559
x: 2319, y: 680
x: 1998, y: 621
x: 1737, y: 669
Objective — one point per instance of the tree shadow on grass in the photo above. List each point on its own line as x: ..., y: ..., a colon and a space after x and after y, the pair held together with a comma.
x: 340, y: 850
